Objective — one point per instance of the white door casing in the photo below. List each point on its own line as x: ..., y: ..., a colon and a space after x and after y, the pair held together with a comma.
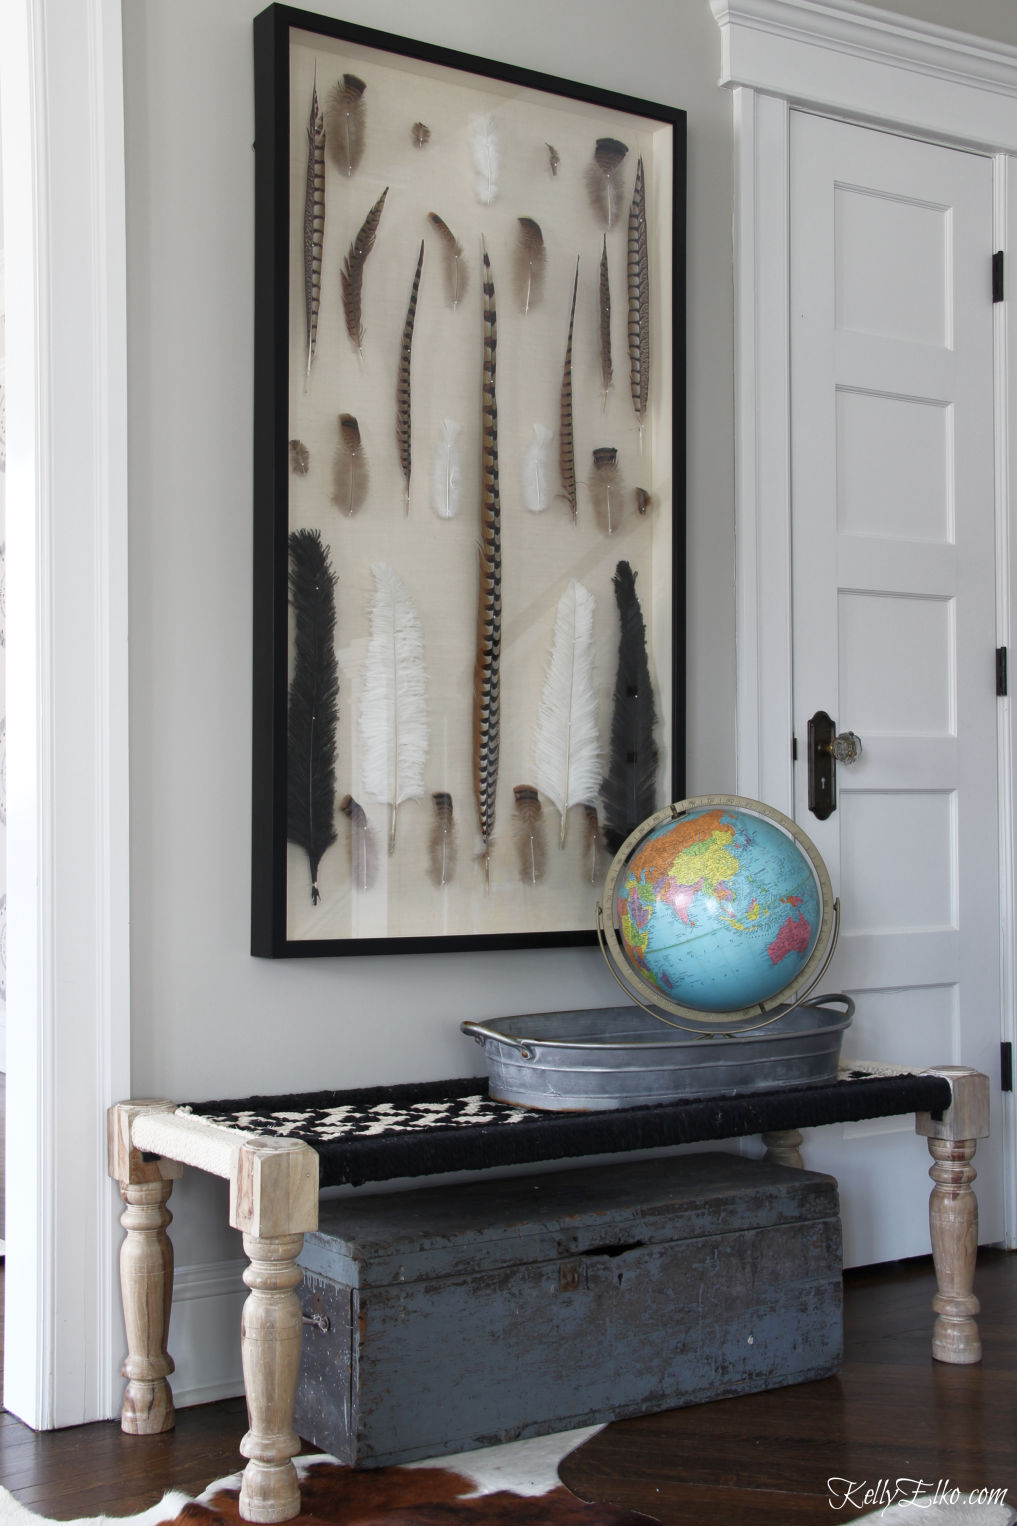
x: 61, y: 90
x: 859, y: 64
x: 894, y: 625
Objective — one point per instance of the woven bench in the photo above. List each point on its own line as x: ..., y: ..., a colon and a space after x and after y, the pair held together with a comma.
x: 277, y: 1152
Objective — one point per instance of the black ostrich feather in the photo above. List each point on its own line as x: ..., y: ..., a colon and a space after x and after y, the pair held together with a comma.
x: 313, y: 702
x: 629, y: 791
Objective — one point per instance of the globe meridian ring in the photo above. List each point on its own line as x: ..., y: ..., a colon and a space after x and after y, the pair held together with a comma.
x: 640, y: 982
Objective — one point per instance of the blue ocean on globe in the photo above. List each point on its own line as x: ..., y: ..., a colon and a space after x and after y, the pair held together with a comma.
x: 719, y: 910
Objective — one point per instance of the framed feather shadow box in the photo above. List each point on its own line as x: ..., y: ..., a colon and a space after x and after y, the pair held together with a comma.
x: 469, y: 462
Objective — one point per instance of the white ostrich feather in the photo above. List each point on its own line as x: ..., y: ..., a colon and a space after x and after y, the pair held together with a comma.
x: 394, y: 728
x: 536, y: 473
x: 447, y: 477
x: 485, y: 151
x: 567, y: 761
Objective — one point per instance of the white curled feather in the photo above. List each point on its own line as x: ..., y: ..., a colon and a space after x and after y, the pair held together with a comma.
x: 485, y: 150
x: 447, y: 476
x: 567, y: 759
x: 394, y: 727
x: 536, y: 472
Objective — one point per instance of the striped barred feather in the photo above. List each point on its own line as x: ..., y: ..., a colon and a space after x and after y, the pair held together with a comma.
x: 403, y: 383
x: 314, y: 223
x: 352, y: 275
x: 566, y: 443
x: 486, y: 672
x: 639, y: 300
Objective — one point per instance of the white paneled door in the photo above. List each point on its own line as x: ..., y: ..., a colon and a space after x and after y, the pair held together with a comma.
x: 894, y: 590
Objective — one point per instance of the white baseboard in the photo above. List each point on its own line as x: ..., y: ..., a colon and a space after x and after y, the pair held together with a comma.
x: 204, y: 1335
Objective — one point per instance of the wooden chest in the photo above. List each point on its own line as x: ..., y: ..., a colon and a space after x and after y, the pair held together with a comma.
x: 456, y: 1317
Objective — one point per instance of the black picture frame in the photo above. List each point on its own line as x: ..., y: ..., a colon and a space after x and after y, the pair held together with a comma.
x: 488, y: 904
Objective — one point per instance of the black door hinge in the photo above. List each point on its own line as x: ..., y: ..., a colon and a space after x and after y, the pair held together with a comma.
x: 794, y: 749
x: 997, y: 276
x: 1006, y: 1067
x: 1001, y: 688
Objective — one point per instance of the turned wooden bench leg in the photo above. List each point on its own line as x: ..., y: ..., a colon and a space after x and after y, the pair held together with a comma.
x: 146, y: 1280
x: 953, y: 1213
x: 784, y: 1147
x: 146, y: 1274
x: 273, y: 1199
x: 271, y: 1335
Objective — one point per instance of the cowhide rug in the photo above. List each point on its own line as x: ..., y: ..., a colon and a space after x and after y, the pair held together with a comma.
x: 512, y: 1485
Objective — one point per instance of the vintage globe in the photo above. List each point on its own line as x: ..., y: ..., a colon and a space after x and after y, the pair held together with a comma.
x: 721, y: 911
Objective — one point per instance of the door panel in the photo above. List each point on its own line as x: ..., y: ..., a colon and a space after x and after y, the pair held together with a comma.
x: 893, y: 575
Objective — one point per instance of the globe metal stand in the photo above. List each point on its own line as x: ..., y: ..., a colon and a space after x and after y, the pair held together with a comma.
x: 696, y: 1020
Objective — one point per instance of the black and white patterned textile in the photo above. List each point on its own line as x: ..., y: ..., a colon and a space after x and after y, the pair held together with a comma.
x: 377, y: 1134
x: 347, y: 1120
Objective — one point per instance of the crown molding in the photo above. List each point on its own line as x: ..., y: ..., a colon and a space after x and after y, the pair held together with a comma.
x: 851, y: 57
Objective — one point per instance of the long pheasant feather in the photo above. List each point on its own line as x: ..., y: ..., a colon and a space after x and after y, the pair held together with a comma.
x: 346, y: 123
x: 403, y: 389
x: 639, y: 300
x: 454, y: 261
x: 567, y: 761
x: 353, y: 272
x: 313, y: 702
x: 566, y: 441
x: 486, y: 672
x: 394, y: 728
x: 629, y: 791
x: 314, y: 223
x: 606, y: 367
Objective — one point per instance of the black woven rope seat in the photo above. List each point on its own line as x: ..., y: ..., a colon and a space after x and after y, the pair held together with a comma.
x: 425, y: 1128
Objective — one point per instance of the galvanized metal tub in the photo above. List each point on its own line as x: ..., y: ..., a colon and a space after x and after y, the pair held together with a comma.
x: 623, y: 1057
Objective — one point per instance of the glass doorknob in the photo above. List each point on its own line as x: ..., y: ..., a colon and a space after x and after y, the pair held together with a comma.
x: 845, y: 747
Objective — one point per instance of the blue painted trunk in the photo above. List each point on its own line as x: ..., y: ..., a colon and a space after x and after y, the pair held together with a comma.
x: 463, y: 1316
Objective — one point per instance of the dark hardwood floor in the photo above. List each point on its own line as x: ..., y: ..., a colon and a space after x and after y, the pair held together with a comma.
x: 765, y: 1459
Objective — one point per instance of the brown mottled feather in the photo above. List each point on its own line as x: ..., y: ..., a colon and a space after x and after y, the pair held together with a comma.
x: 606, y: 489
x: 442, y: 849
x: 594, y: 840
x: 363, y: 853
x: 349, y: 467
x: 530, y: 263
x: 603, y: 179
x: 300, y: 458
x: 528, y: 828
x: 346, y: 123
x: 452, y: 256
x: 353, y: 272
